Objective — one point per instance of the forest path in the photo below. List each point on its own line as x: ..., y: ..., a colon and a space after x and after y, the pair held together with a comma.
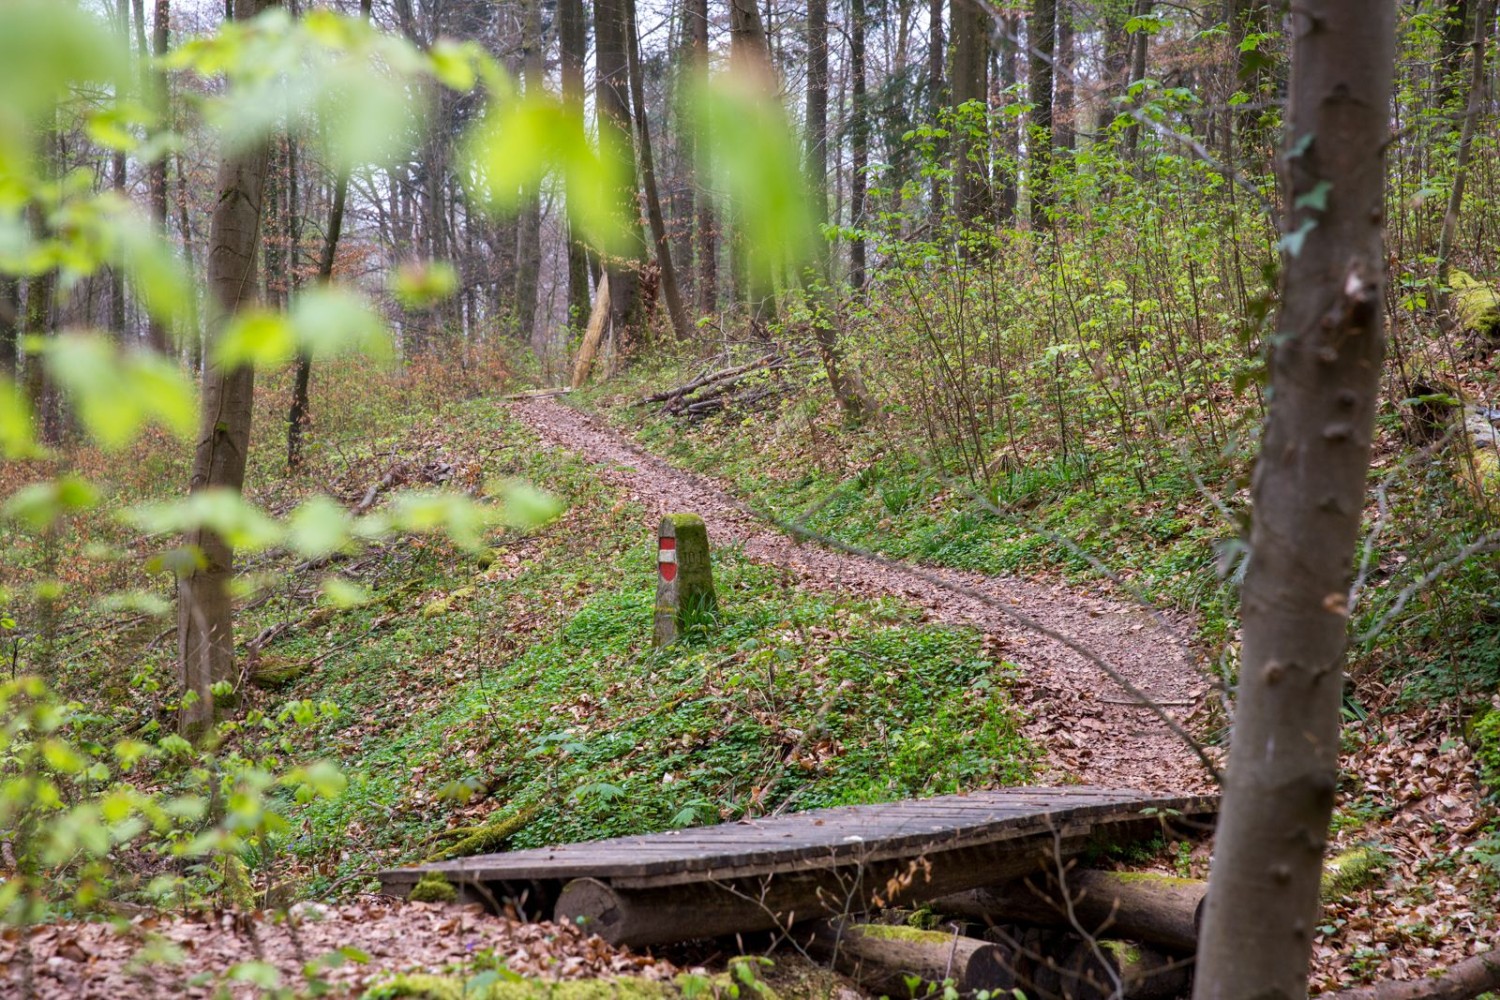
x: 1075, y: 708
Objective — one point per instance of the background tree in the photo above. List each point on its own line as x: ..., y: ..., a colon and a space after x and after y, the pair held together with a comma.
x: 205, y: 615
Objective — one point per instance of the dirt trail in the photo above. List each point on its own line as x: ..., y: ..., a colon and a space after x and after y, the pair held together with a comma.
x: 1073, y: 705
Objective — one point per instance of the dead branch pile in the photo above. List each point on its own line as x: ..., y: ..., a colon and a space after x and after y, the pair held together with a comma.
x: 717, y: 390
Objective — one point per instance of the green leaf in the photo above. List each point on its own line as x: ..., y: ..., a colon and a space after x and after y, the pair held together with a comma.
x: 220, y: 510
x: 318, y: 527
x: 425, y: 512
x: 523, y: 506
x: 255, y: 337
x: 756, y: 165
x: 454, y: 64
x: 330, y: 321
x: 423, y: 284
x: 343, y: 593
x: 40, y: 505
x: 1291, y: 243
x: 16, y: 438
x: 118, y: 393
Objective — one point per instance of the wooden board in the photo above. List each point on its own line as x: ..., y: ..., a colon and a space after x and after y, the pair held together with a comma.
x: 823, y: 839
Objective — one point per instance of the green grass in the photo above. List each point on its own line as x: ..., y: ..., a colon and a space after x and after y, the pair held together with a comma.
x: 540, y: 689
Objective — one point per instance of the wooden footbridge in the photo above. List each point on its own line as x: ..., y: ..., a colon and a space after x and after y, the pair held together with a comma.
x: 760, y: 874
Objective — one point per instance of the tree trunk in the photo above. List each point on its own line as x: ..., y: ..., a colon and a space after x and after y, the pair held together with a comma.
x: 1486, y: 15
x: 612, y: 87
x: 572, y: 29
x: 859, y: 140
x: 970, y: 81
x: 1009, y: 147
x: 681, y: 325
x: 154, y: 85
x: 1141, y: 40
x: 529, y: 230
x: 117, y: 181
x: 1064, y: 114
x: 883, y: 958
x: 704, y: 226
x: 936, y: 98
x: 1040, y: 29
x: 205, y: 619
x: 1308, y: 493
x: 1467, y: 979
x: 10, y: 320
x: 816, y: 157
x: 750, y: 56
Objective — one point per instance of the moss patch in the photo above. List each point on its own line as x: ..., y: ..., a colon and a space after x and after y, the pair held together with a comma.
x: 1351, y: 871
x: 433, y: 888
x: 1484, y: 735
x: 415, y: 986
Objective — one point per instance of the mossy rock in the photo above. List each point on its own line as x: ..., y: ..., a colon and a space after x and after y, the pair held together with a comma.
x: 433, y: 888
x: 1477, y: 304
x: 443, y: 605
x: 272, y: 673
x: 1353, y: 870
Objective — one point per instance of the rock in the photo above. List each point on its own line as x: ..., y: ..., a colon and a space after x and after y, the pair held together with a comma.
x: 1477, y: 304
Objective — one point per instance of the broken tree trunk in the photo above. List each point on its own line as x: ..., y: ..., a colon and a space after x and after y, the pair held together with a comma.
x: 1142, y: 906
x: 1104, y: 969
x: 1467, y: 979
x: 885, y: 960
x: 589, y: 349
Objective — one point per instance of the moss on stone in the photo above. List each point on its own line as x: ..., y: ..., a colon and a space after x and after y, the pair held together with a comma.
x: 1351, y: 871
x: 1124, y: 953
x: 273, y: 672
x: 1477, y: 304
x: 433, y: 887
x: 1484, y: 737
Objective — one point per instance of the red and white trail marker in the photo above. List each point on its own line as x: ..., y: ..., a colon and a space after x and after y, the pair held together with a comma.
x: 666, y: 558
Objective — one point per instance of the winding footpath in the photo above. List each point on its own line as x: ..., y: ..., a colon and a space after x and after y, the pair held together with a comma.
x: 1095, y: 731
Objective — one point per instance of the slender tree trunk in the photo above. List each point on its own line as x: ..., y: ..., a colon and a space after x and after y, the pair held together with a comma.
x: 117, y: 181
x: 705, y: 227
x: 572, y: 29
x: 1308, y: 493
x: 970, y: 82
x: 154, y: 85
x: 185, y: 223
x: 1063, y: 113
x: 1040, y: 29
x: 611, y: 94
x: 750, y: 55
x: 1486, y: 14
x: 529, y: 231
x: 859, y: 142
x: 681, y: 325
x: 936, y: 96
x: 205, y: 614
x: 1008, y: 179
x: 10, y: 319
x: 40, y: 292
x: 816, y: 155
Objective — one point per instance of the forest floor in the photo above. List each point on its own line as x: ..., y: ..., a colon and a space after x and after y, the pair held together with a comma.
x: 1097, y: 731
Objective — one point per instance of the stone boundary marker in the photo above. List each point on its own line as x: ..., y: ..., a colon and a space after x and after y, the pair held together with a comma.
x: 684, y: 576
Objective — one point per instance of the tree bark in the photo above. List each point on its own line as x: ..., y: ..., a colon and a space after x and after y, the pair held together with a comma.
x: 612, y: 88
x: 154, y: 85
x: 705, y: 233
x: 859, y: 141
x: 1486, y: 15
x: 205, y: 618
x: 572, y: 29
x: 1142, y: 907
x: 936, y: 98
x: 970, y: 82
x: 10, y: 319
x: 1308, y: 493
x: 1040, y: 30
x: 529, y: 229
x: 117, y: 181
x: 750, y: 56
x: 681, y: 325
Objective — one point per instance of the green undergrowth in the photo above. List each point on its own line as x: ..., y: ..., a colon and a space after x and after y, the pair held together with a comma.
x: 534, y: 691
x: 1050, y: 516
x: 1165, y: 526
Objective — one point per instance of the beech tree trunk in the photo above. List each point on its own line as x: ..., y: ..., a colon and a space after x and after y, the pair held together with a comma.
x: 681, y: 325
x: 1041, y: 28
x: 572, y: 31
x: 970, y: 82
x: 704, y: 227
x: 1308, y: 493
x: 154, y: 84
x: 529, y: 229
x: 205, y: 618
x: 612, y: 90
x: 10, y: 319
x: 935, y: 95
x: 750, y: 55
x: 859, y: 141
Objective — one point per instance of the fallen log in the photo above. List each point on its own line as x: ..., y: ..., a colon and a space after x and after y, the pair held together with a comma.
x: 1109, y: 968
x: 1142, y: 906
x: 1464, y: 981
x: 904, y: 962
x: 664, y: 914
x: 711, y: 378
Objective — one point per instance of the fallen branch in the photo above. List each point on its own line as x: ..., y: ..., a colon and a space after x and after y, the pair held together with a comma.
x: 1466, y: 980
x: 712, y: 377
